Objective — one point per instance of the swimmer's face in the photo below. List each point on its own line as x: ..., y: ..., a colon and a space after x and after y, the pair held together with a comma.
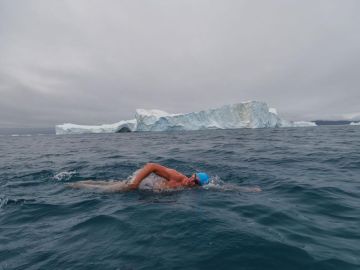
x: 191, y: 181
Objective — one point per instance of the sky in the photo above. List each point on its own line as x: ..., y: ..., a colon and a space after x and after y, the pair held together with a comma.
x: 96, y: 61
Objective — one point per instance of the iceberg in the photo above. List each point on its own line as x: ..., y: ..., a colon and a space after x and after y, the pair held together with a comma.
x: 251, y: 114
x: 303, y: 124
x: 355, y: 124
x: 242, y: 115
x: 122, y: 126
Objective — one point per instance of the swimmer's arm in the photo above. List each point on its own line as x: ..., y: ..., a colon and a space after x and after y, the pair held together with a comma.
x: 97, y: 183
x: 148, y: 169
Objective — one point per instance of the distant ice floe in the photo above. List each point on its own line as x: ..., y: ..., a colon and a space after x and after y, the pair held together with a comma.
x: 251, y: 114
x: 355, y: 124
x: 21, y: 135
x: 304, y: 124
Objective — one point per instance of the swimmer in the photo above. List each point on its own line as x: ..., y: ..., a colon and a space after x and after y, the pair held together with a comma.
x: 174, y: 179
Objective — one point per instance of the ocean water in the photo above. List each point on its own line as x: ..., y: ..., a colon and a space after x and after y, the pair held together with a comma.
x: 307, y: 215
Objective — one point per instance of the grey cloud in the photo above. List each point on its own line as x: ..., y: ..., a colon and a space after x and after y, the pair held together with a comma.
x: 97, y: 61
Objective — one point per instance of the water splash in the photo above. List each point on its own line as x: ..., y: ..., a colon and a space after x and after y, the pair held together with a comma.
x: 151, y: 182
x: 216, y: 183
x: 64, y: 176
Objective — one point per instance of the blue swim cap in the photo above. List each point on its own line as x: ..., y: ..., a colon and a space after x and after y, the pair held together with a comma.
x: 203, y: 178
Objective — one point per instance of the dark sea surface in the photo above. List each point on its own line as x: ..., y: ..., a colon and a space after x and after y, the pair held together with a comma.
x: 307, y: 215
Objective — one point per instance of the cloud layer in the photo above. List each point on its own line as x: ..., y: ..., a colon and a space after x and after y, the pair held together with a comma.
x: 97, y: 61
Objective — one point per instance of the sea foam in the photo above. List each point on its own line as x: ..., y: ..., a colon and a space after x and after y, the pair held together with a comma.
x: 64, y: 176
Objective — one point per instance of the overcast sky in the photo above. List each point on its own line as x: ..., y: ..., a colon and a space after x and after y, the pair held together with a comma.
x: 91, y: 62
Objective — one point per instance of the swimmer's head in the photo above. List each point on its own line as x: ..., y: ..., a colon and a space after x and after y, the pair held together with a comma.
x: 201, y: 178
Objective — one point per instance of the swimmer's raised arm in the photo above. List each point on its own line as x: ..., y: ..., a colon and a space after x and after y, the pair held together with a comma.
x: 151, y: 168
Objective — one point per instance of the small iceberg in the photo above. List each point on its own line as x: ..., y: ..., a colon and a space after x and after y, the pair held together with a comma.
x: 304, y: 124
x: 354, y: 124
x: 122, y: 126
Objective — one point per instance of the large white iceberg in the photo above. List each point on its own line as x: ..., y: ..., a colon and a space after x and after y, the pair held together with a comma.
x: 355, y: 124
x: 251, y: 114
x: 242, y: 115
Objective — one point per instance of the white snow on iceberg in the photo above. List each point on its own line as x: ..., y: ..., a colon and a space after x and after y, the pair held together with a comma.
x: 273, y: 110
x: 122, y: 126
x: 355, y: 124
x: 251, y: 114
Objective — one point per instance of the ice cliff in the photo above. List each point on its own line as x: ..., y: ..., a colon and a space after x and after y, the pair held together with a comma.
x: 251, y: 114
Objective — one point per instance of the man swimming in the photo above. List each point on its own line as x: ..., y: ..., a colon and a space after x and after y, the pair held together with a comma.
x: 173, y: 180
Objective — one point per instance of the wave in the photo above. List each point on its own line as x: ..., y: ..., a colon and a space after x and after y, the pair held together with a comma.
x: 4, y: 201
x: 23, y: 135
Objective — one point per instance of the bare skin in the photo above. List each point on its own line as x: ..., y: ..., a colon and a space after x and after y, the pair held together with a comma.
x: 174, y: 179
